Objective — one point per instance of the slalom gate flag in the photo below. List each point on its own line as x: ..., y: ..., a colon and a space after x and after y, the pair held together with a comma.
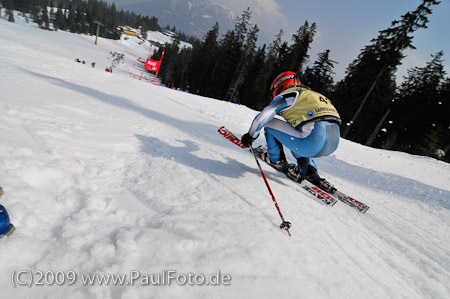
x: 152, y: 65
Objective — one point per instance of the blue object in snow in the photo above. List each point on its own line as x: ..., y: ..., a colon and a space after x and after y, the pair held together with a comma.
x: 5, y: 225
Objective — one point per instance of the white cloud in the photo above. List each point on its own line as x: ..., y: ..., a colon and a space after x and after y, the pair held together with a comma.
x: 265, y: 13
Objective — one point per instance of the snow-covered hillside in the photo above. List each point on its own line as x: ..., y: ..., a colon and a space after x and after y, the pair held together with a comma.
x: 158, y: 37
x: 106, y: 174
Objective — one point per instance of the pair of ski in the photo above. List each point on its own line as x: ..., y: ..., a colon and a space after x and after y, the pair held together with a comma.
x: 311, y: 190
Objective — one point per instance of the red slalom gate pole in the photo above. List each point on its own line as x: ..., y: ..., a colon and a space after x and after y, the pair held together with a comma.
x: 286, y: 224
x: 143, y: 69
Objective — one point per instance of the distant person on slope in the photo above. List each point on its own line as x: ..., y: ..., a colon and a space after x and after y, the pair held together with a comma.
x: 311, y: 128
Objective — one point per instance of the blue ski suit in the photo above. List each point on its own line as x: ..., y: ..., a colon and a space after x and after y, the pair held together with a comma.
x: 310, y: 127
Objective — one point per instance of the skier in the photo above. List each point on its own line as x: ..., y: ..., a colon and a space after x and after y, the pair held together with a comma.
x: 311, y: 128
x: 6, y: 228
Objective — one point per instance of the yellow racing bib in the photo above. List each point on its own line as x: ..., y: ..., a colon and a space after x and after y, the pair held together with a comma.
x: 309, y: 106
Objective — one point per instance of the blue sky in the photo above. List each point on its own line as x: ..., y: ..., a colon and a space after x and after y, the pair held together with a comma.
x: 346, y: 26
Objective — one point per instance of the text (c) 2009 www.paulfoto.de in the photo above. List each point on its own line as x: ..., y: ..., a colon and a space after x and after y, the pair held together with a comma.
x: 32, y: 278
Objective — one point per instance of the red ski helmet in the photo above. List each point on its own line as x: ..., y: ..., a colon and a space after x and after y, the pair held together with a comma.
x: 282, y: 82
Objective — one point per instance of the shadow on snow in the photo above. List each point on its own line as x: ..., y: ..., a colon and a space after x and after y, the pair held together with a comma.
x: 387, y: 182
x: 185, y: 155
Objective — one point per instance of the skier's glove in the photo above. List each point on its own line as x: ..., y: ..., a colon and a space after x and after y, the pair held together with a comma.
x: 247, y: 140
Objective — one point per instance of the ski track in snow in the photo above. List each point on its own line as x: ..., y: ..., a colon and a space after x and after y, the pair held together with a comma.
x: 106, y: 174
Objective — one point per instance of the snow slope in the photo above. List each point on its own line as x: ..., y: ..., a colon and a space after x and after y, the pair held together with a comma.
x: 164, y: 39
x: 106, y: 174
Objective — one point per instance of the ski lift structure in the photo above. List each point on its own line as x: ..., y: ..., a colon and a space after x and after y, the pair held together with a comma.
x: 98, y: 28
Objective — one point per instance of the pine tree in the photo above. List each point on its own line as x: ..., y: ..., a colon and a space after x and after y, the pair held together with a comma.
x: 275, y: 46
x: 72, y: 22
x: 45, y: 19
x: 319, y: 76
x: 241, y: 25
x: 230, y: 52
x: 298, y: 52
x: 60, y: 21
x: 444, y: 108
x: 253, y: 91
x: 241, y: 69
x: 365, y: 94
x: 9, y: 7
x: 245, y: 50
x: 167, y: 69
x: 204, y: 62
x: 181, y: 68
x: 276, y: 52
x: 431, y: 142
x: 421, y: 109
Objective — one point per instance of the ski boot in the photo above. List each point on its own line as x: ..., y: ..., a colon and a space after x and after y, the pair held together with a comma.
x: 294, y: 173
x: 281, y: 165
x: 313, y: 177
x: 259, y: 150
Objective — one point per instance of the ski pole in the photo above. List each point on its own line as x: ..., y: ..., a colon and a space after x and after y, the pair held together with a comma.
x: 286, y: 224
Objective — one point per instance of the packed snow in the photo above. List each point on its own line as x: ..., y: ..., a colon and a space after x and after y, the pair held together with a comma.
x: 107, y: 174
